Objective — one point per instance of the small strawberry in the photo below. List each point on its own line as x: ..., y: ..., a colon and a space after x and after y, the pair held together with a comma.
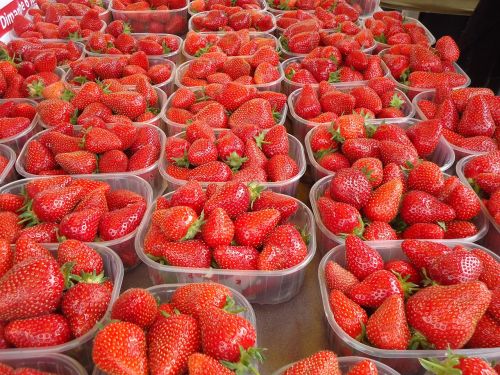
x: 84, y: 258
x: 339, y: 217
x: 191, y: 194
x: 121, y: 222
x: 383, y: 204
x: 365, y: 367
x: 375, y: 289
x: 283, y: 248
x: 233, y: 197
x: 251, y: 228
x: 201, y: 364
x: 379, y: 231
x: 177, y: 223
x: 361, y: 259
x: 337, y: 277
x: 348, y: 314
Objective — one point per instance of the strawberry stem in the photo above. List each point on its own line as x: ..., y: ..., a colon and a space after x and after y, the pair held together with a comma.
x: 195, y: 227
x: 445, y: 367
x: 418, y: 340
x: 231, y: 307
x: 235, y: 161
x: 244, y: 365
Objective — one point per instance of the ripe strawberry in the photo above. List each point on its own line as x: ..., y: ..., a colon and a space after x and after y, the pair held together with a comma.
x: 350, y: 186
x: 38, y: 158
x: 201, y: 364
x: 447, y: 315
x: 10, y: 227
x: 361, y: 259
x: 218, y: 229
x: 426, y: 177
x: 269, y: 199
x: 375, y: 289
x: 190, y: 253
x: 476, y: 118
x: 365, y: 367
x: 41, y: 331
x: 490, y: 275
x: 322, y: 362
x: 41, y: 233
x: 424, y: 231
x: 214, y: 171
x: 464, y: 201
x: 425, y: 136
x: 420, y: 207
x: 202, y: 151
x: 77, y: 162
x: 121, y: 346
x: 456, y: 267
x: 53, y: 205
x: 84, y: 258
x: 11, y: 202
x: 348, y: 314
x: 81, y: 225
x: 387, y: 327
x: 281, y: 167
x: 6, y: 257
x: 121, y: 222
x: 98, y: 141
x: 193, y: 299
x: 233, y: 197
x: 177, y: 223
x: 236, y: 257
x: 191, y: 194
x: 251, y: 228
x: 447, y: 49
x: 171, y: 342
x: 256, y: 111
x: 384, y: 202
x: 283, y: 248
x: 487, y: 333
x: 307, y: 104
x: 339, y: 217
x: 127, y: 103
x: 136, y: 306
x: 27, y: 249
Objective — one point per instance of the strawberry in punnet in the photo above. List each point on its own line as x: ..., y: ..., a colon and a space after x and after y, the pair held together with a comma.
x: 365, y: 367
x: 269, y: 199
x: 6, y: 257
x: 349, y: 315
x: 406, y: 270
x: 193, y: 299
x: 487, y: 333
x: 340, y: 217
x: 322, y: 362
x: 459, y: 364
x: 190, y: 253
x: 191, y: 194
x: 378, y: 230
x: 38, y: 158
x: 136, y: 306
x: 384, y: 202
x: 11, y: 202
x: 284, y: 248
x: 178, y: 223
x: 218, y: 229
x: 202, y: 364
x: 81, y: 225
x: 77, y: 162
x: 375, y: 289
x: 236, y: 257
x: 251, y: 228
x: 337, y: 277
x: 420, y: 207
x: 307, y: 104
x: 26, y: 248
x: 423, y: 253
x: 426, y: 176
x: 456, y: 267
x: 83, y: 258
x: 361, y: 259
x: 350, y: 186
x: 490, y: 275
x: 464, y: 201
x: 121, y: 346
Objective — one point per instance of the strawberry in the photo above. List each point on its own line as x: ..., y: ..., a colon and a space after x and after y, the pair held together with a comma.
x: 364, y: 367
x: 322, y: 362
x: 60, y: 143
x: 387, y: 327
x: 284, y: 248
x: 38, y: 158
x: 339, y: 217
x: 99, y: 140
x: 36, y: 186
x: 424, y: 231
x: 6, y: 257
x: 476, y: 118
x: 171, y: 342
x: 307, y: 104
x: 41, y: 331
x: 127, y: 103
x: 400, y: 154
x: 487, y: 333
x: 447, y: 315
x: 269, y: 199
x: 361, y: 259
x: 113, y: 161
x: 456, y: 267
x: 275, y: 141
x: 201, y: 364
x: 218, y: 229
x: 177, y: 223
x: 337, y: 277
x: 350, y: 186
x: 358, y: 148
x: 348, y: 314
x: 256, y: 111
x: 375, y: 289
x: 233, y: 197
x: 77, y: 162
x: 384, y: 202
x: 86, y: 303
x: 191, y: 194
x: 136, y: 306
x: 42, y: 286
x: 425, y: 136
x: 251, y: 228
x: 84, y: 258
x: 121, y: 346
x: 11, y: 202
x: 190, y: 253
x: 490, y: 275
x: 465, y: 365
x: 281, y: 167
x: 464, y: 201
x: 55, y: 111
x: 81, y: 225
x: 236, y: 257
x: 10, y: 227
x: 213, y: 171
x: 202, y: 151
x: 121, y: 222
x: 447, y: 49
x: 193, y: 299
x: 53, y: 205
x: 43, y: 232
x: 27, y: 249
x: 379, y: 231
x: 426, y: 177
x: 420, y: 207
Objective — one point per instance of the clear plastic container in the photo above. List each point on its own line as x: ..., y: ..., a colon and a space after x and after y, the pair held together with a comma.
x: 262, y: 4
x: 252, y: 34
x: 404, y: 361
x: 411, y: 92
x: 164, y: 292
x: 290, y: 86
x: 288, y: 55
x: 460, y: 152
x: 327, y: 240
x: 345, y: 363
x: 287, y: 187
x: 492, y: 238
x: 167, y: 86
x: 174, y: 56
x: 50, y: 362
x: 81, y: 347
x: 173, y: 128
x: 279, y: 30
x: 442, y: 155
x: 123, y: 246
x: 9, y: 173
x: 173, y: 21
x: 150, y: 174
x: 271, y: 86
x: 16, y: 37
x: 300, y: 127
x: 202, y: 14
x: 381, y: 46
x: 16, y: 142
x: 262, y: 287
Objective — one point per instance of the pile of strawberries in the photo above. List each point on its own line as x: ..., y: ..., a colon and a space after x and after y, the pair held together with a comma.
x: 224, y: 18
x: 198, y: 330
x: 379, y: 99
x: 45, y: 56
x: 470, y: 116
x: 53, y: 11
x: 389, y: 27
x: 424, y: 204
x: 231, y: 105
x: 249, y: 156
x: 15, y: 117
x: 233, y: 226
x: 483, y: 173
x: 53, y: 26
x: 48, y: 299
x: 338, y: 8
x: 304, y: 36
x: 197, y: 6
x: 127, y: 69
x: 331, y: 65
x: 422, y: 67
x: 434, y: 296
x: 113, y: 148
x: 118, y: 40
x: 325, y: 19
x: 232, y: 43
x: 216, y: 67
x: 95, y: 105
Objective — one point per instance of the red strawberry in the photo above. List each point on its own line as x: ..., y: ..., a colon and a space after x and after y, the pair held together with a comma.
x: 447, y: 49
x: 284, y: 248
x: 121, y: 198
x: 269, y: 199
x: 490, y: 275
x: 322, y: 362
x: 337, y: 277
x: 307, y: 104
x: 456, y: 267
x: 487, y: 333
x: 11, y: 202
x: 348, y: 314
x: 365, y: 367
x: 201, y: 364
x: 281, y: 168
x: 190, y: 253
x: 43, y: 232
x: 339, y: 217
x: 136, y: 306
x: 38, y: 158
x: 193, y: 299
x: 26, y: 248
x: 233, y: 197
x: 121, y: 222
x: 426, y: 177
x: 236, y: 257
x: 466, y: 366
x: 424, y: 231
x: 77, y: 162
x: 251, y: 228
x: 202, y: 151
x: 384, y: 202
x: 6, y: 257
x: 464, y: 201
x: 379, y: 231
x: 420, y: 207
x: 121, y: 346
x: 476, y: 118
x: 84, y: 258
x: 361, y: 259
x: 53, y: 205
x: 214, y: 171
x: 350, y: 186
x: 10, y: 227
x: 177, y: 223
x: 375, y: 289
x: 191, y: 194
x: 218, y: 229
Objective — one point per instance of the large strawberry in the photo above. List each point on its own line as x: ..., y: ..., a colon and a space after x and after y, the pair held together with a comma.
x: 121, y: 222
x: 383, y: 204
x: 420, y: 207
x: 127, y: 103
x: 447, y: 315
x: 423, y: 253
x: 322, y: 362
x: 121, y: 346
x: 81, y: 225
x: 307, y: 104
x: 251, y: 228
x: 136, y: 306
x: 192, y: 299
x: 32, y: 287
x: 177, y: 223
x: 476, y: 118
x: 340, y: 217
x: 202, y: 364
x: 350, y: 186
x: 283, y: 248
x: 218, y: 229
x: 83, y: 257
x: 458, y: 266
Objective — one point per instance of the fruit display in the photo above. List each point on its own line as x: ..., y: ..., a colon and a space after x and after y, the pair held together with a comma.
x: 342, y: 8
x: 326, y: 20
x: 327, y: 362
x: 118, y: 40
x: 52, y: 12
x: 420, y: 297
x: 264, y: 156
x: 197, y: 6
x: 108, y: 209
x: 261, y: 70
x: 400, y: 142
x: 94, y: 105
x: 418, y: 67
x: 18, y: 122
x: 232, y: 19
x: 423, y: 203
x: 470, y: 117
x: 232, y: 43
x: 391, y: 27
x: 220, y: 106
x: 57, y: 26
x: 54, y: 297
x: 49, y: 364
x: 201, y: 328
x: 152, y: 16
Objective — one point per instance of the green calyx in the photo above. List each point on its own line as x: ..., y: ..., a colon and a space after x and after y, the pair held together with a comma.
x: 76, y: 36
x: 195, y: 227
x: 445, y: 367
x: 235, y: 161
x: 231, y: 307
x: 408, y: 287
x: 334, y: 77
x: 290, y: 73
x: 284, y: 43
x: 67, y: 95
x: 80, y: 79
x: 475, y: 187
x: 165, y: 48
x: 396, y: 101
x: 35, y: 88
x: 381, y: 38
x: 276, y: 116
x: 419, y: 341
x: 182, y: 162
x: 244, y: 365
x: 371, y: 129
x: 403, y: 78
x: 318, y: 155
x: 255, y: 189
x: 259, y: 139
x: 28, y: 218
x: 202, y: 50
